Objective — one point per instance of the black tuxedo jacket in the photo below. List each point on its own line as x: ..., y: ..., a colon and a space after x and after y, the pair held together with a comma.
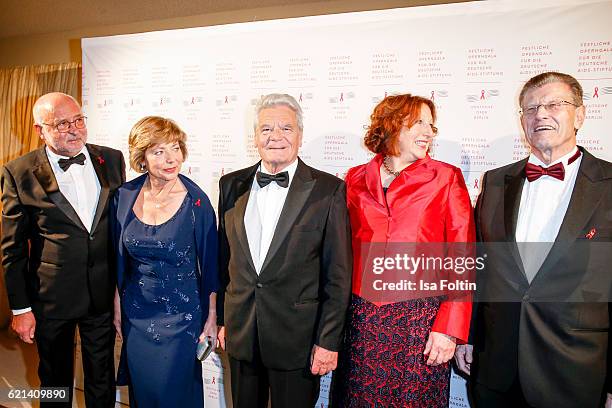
x: 51, y: 262
x: 301, y: 295
x: 554, y: 332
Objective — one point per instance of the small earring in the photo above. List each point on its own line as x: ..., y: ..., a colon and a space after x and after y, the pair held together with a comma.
x: 143, y: 167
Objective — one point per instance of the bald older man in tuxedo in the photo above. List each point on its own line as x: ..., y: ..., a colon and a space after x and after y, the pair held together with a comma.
x: 55, y: 248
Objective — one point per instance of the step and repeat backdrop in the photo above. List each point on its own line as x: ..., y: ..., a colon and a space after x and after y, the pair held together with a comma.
x: 470, y: 58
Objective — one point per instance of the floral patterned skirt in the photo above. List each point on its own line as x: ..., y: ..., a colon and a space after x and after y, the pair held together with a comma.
x: 382, y: 362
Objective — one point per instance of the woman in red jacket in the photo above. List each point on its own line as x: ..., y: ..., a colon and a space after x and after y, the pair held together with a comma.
x: 397, y: 352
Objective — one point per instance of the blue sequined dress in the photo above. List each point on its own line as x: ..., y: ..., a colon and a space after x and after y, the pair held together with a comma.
x: 161, y: 304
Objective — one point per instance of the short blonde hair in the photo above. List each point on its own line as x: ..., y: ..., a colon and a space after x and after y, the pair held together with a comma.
x: 149, y: 131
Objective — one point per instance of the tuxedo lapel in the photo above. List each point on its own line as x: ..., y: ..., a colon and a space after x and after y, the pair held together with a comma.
x: 242, y: 187
x: 512, y: 199
x: 101, y: 171
x: 585, y: 199
x: 299, y: 191
x: 44, y: 174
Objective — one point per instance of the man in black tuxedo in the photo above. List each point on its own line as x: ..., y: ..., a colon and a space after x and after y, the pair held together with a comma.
x: 541, y: 331
x: 285, y: 265
x: 55, y: 248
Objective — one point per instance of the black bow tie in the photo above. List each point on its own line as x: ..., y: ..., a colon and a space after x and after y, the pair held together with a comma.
x: 282, y: 179
x: 66, y: 163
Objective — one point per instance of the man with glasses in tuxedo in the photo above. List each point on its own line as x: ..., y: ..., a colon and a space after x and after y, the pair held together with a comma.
x: 55, y: 249
x: 541, y: 331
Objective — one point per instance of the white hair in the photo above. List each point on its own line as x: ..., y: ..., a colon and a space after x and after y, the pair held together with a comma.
x: 276, y: 99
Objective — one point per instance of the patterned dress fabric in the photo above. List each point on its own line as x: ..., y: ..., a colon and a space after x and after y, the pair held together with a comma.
x: 383, y: 364
x: 162, y: 314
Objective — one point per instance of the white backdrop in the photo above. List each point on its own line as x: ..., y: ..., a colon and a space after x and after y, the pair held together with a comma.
x: 470, y: 58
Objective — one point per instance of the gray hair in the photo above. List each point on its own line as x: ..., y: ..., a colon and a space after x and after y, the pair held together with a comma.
x: 276, y: 99
x: 546, y: 78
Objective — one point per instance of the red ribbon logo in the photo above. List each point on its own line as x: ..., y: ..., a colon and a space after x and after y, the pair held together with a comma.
x: 591, y: 233
x: 596, y: 93
x: 432, y: 96
x: 482, y: 94
x: 100, y: 159
x: 198, y: 202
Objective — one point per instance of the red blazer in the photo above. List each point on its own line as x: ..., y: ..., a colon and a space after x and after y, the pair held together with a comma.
x: 428, y: 202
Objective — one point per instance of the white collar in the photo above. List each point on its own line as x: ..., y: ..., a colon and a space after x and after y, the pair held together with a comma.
x: 564, y: 159
x: 55, y: 157
x: 291, y: 169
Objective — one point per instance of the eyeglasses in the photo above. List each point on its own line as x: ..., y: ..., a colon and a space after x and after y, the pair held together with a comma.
x: 551, y: 107
x: 64, y: 125
x: 421, y: 122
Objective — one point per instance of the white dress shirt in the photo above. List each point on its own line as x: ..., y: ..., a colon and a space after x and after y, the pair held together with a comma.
x: 79, y: 184
x: 81, y: 187
x: 544, y: 203
x: 262, y: 213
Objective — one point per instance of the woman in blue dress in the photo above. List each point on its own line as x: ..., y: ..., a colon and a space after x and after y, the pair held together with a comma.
x: 165, y: 237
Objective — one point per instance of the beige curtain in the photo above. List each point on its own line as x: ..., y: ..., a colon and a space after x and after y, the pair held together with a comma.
x: 19, y: 89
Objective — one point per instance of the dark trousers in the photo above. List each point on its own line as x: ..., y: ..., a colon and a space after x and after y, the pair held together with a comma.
x: 252, y: 381
x: 55, y: 342
x: 485, y: 397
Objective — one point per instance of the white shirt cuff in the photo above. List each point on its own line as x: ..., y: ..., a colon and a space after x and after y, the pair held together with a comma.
x: 21, y: 311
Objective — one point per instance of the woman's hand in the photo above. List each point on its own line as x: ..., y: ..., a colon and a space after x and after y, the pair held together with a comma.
x: 439, y: 348
x: 117, y: 314
x: 210, y: 329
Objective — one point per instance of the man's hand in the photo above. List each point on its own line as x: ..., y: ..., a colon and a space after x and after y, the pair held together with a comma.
x: 24, y: 325
x: 221, y: 337
x: 322, y: 361
x: 464, y: 358
x: 439, y: 348
x: 608, y: 401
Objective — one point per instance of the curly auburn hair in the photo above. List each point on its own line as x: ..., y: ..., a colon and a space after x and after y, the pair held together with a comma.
x: 388, y: 118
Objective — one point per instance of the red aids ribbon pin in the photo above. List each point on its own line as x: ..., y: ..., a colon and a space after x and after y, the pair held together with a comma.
x: 591, y: 233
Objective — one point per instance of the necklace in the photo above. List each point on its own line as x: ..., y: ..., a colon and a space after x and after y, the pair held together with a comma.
x: 160, y: 201
x: 388, y: 168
